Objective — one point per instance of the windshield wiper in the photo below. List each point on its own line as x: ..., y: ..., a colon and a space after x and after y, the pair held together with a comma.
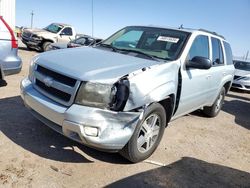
x: 108, y: 46
x: 156, y: 58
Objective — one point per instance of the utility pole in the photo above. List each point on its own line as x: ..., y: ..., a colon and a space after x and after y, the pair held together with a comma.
x: 92, y: 12
x: 247, y: 55
x: 31, y: 23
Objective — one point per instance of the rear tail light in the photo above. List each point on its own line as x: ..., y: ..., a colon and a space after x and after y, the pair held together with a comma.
x: 14, y: 43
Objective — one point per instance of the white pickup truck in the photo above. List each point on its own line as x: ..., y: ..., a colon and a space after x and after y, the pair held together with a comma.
x: 40, y: 39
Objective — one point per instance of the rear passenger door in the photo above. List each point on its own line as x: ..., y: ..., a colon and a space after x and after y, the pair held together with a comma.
x: 195, y: 89
x: 217, y: 70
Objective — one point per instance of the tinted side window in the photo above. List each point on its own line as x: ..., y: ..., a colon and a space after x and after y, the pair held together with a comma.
x: 200, y: 47
x: 229, y: 54
x: 217, y: 52
x: 67, y: 31
x: 80, y: 40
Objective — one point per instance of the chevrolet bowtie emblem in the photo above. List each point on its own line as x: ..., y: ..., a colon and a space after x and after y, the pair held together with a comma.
x: 48, y: 81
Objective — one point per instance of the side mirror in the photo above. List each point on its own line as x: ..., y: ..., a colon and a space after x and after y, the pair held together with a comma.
x: 199, y: 63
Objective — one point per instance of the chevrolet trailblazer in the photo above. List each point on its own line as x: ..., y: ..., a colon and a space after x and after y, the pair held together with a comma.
x: 120, y: 94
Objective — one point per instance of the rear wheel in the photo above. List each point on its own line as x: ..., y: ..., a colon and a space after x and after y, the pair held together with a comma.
x: 147, y: 134
x: 46, y: 46
x: 214, y: 110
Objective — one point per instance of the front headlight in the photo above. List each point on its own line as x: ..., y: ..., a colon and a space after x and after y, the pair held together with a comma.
x: 106, y: 96
x: 32, y: 67
x: 95, y: 94
x: 245, y: 78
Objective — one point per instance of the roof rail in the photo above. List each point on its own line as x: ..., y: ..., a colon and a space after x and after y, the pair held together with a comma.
x: 212, y: 32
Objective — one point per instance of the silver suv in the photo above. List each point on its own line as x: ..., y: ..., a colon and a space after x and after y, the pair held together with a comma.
x: 11, y: 63
x: 121, y: 94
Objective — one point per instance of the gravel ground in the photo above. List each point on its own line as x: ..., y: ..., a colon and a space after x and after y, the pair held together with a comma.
x: 195, y: 151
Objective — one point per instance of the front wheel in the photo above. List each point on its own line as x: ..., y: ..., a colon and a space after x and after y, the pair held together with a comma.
x: 147, y: 135
x: 46, y: 46
x: 214, y: 110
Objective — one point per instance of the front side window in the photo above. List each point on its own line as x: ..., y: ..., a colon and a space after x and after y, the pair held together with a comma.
x: 67, y: 31
x: 53, y: 28
x: 157, y: 42
x: 217, y: 52
x: 80, y: 41
x: 200, y: 47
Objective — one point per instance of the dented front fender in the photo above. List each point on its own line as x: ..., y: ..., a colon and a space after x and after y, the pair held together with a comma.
x: 152, y: 84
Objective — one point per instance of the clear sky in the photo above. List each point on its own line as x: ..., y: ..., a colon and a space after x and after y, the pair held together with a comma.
x: 230, y: 18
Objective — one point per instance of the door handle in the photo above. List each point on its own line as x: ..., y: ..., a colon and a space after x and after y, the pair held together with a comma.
x: 208, y: 76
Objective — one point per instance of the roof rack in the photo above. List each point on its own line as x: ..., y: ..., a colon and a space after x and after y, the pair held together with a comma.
x: 212, y: 32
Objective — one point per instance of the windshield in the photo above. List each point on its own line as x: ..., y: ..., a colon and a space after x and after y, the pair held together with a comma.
x: 157, y: 42
x: 242, y: 65
x: 53, y: 28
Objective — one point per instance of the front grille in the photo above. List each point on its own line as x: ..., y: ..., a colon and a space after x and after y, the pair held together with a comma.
x: 60, y: 94
x: 236, y: 85
x: 236, y: 77
x: 248, y: 87
x: 55, y: 86
x: 59, y: 77
x: 26, y: 34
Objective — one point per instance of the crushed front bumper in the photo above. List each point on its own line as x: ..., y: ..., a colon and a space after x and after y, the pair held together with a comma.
x: 114, y: 128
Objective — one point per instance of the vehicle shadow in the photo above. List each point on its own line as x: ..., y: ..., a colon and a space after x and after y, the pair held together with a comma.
x: 187, y: 172
x: 241, y: 111
x: 240, y: 108
x: 238, y: 97
x: 26, y: 131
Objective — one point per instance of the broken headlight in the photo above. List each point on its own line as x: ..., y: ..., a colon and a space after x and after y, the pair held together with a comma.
x: 104, y: 96
x: 95, y: 94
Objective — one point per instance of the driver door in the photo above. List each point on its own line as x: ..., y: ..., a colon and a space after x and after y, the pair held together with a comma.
x: 195, y: 89
x: 65, y: 35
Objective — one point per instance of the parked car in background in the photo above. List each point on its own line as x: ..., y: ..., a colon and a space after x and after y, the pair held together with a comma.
x: 41, y: 39
x: 2, y: 81
x: 121, y: 94
x: 242, y: 75
x: 78, y: 42
x: 9, y: 60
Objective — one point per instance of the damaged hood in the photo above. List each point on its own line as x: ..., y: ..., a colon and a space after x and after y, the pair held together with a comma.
x: 92, y: 64
x: 39, y: 32
x: 239, y: 72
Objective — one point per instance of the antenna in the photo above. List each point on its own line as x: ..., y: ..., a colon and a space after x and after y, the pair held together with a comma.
x: 181, y: 26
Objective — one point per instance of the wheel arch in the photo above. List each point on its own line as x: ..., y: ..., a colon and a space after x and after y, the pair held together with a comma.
x: 227, y: 86
x: 168, y: 105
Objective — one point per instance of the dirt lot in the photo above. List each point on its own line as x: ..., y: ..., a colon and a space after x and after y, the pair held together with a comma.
x: 195, y: 151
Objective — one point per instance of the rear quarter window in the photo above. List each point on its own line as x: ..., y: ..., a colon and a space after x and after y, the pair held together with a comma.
x: 228, y: 53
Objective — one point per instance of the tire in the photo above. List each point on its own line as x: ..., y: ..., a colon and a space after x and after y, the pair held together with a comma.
x: 147, y: 135
x: 212, y: 111
x: 46, y: 46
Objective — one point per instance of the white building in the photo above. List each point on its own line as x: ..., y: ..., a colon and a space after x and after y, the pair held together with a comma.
x: 8, y: 11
